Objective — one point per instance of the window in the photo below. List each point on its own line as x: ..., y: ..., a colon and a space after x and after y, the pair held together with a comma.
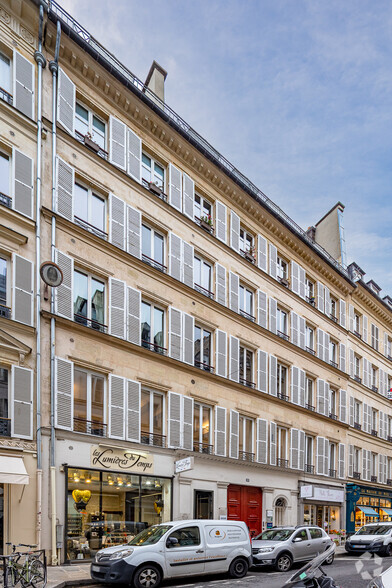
x: 309, y: 289
x: 309, y: 468
x: 5, y: 310
x: 282, y: 440
x: 152, y: 418
x: 246, y: 367
x: 374, y: 380
x: 152, y: 325
x: 184, y: 537
x: 90, y: 209
x: 246, y: 241
x: 374, y: 421
x: 373, y: 467
x: 332, y: 460
x: 88, y: 123
x: 282, y: 381
x: 389, y: 347
x: 153, y: 247
x: 202, y: 343
x: 202, y: 428
x: 204, y: 504
x: 246, y: 302
x: 332, y: 403
x: 282, y: 268
x: 357, y: 323
x: 202, y: 275
x: 389, y: 468
x: 5, y: 74
x: 153, y: 172
x: 5, y: 170
x: 282, y: 322
x: 332, y: 353
x: 357, y: 462
x: 357, y: 413
x: 375, y: 337
x: 89, y: 300
x: 315, y: 533
x: 245, y: 440
x: 202, y: 208
x: 5, y: 422
x: 309, y: 338
x: 357, y: 367
x: 334, y: 306
x: 309, y: 393
x: 89, y: 402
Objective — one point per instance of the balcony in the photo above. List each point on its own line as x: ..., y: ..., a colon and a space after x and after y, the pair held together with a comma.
x: 356, y: 475
x: 247, y: 383
x: 333, y: 363
x: 152, y: 439
x: 154, y: 347
x: 154, y: 190
x: 203, y: 448
x: 311, y: 300
x: 283, y: 281
x: 333, y: 416
x: 333, y: 318
x: 90, y: 144
x: 5, y: 427
x: 374, y: 388
x: 204, y: 291
x: 91, y: 323
x: 311, y: 351
x: 282, y: 463
x: 6, y: 96
x: 374, y: 433
x: 248, y: 316
x: 357, y: 426
x: 282, y: 396
x: 88, y: 227
x: 389, y: 482
x: 282, y: 335
x: 357, y: 379
x: 5, y: 311
x: 309, y: 469
x: 357, y: 334
x: 246, y: 456
x: 90, y: 427
x: 310, y: 407
x: 204, y: 366
x: 159, y: 266
x: 209, y: 228
x: 373, y: 479
x: 5, y: 200
x: 332, y: 473
x: 248, y: 255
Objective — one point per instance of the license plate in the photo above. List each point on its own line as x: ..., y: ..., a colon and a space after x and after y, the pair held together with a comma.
x: 95, y: 568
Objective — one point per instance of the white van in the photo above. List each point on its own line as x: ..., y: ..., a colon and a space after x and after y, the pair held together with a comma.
x: 176, y: 549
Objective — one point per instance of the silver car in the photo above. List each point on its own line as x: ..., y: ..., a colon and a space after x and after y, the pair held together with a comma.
x: 283, y: 546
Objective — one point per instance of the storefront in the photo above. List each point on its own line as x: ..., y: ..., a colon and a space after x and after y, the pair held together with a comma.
x: 367, y: 505
x: 321, y: 505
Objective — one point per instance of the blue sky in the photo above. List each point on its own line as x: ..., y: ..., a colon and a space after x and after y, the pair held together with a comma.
x: 297, y: 94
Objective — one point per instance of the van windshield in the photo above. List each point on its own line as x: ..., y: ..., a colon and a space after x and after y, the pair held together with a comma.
x: 150, y: 536
x: 275, y: 535
x: 374, y: 530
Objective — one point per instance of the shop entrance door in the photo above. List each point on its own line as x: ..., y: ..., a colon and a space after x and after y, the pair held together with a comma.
x: 244, y: 504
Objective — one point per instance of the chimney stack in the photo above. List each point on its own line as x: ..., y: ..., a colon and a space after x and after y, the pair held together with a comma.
x: 155, y: 81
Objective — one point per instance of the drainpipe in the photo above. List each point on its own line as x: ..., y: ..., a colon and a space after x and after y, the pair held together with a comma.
x: 53, y: 66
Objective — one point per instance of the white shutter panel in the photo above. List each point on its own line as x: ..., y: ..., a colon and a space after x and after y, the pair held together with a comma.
x: 273, y: 443
x: 174, y: 420
x: 134, y: 156
x: 342, y: 357
x: 134, y: 300
x: 220, y: 284
x: 221, y: 353
x: 294, y: 328
x: 234, y: 362
x: 117, y: 143
x: 187, y: 258
x: 273, y: 369
x: 133, y: 411
x: 302, y: 387
x: 320, y: 456
x: 23, y: 84
x: 381, y: 479
x: 327, y: 301
x: 116, y: 407
x: 175, y: 188
x: 320, y: 344
x: 234, y: 434
x: 386, y: 344
x: 295, y: 277
x: 341, y: 461
x: 262, y: 253
x: 368, y: 466
x: 320, y: 297
x: 301, y: 450
x: 66, y: 100
x: 23, y: 182
x: 188, y: 195
x: 220, y: 431
x: 117, y: 221
x: 342, y: 313
x: 302, y: 279
x: 187, y: 423
x: 343, y: 406
x: 175, y: 334
x: 273, y: 257
x: 262, y: 318
x: 351, y: 415
x: 221, y: 214
x: 351, y: 317
x: 351, y: 361
x: 262, y: 371
x: 365, y: 328
x: 364, y: 464
x: 365, y: 372
x: 235, y: 231
x: 350, y: 461
x: 302, y: 332
x: 117, y: 307
x: 326, y: 458
x: 22, y: 290
x: 383, y: 382
x: 175, y: 256
x: 134, y: 232
x: 273, y: 310
x: 294, y: 449
x: 262, y: 441
x: 64, y: 375
x: 234, y: 291
x: 381, y: 424
x: 65, y: 181
x: 21, y: 402
x: 321, y: 408
x: 188, y: 328
x: 294, y: 385
x: 326, y: 347
x: 63, y: 297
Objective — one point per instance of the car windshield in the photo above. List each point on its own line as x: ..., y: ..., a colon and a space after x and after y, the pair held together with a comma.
x: 374, y: 530
x: 150, y: 536
x: 275, y: 535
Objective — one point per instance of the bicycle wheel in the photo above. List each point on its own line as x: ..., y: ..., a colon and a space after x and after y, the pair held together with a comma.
x: 35, y: 576
x: 11, y: 577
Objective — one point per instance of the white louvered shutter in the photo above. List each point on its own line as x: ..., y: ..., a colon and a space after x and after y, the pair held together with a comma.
x: 63, y: 296
x: 295, y: 277
x: 133, y: 411
x: 327, y: 301
x: 273, y: 310
x: 174, y: 420
x: 294, y: 328
x: 22, y: 290
x: 273, y: 373
x: 22, y: 402
x: 381, y: 424
x: 117, y: 403
x: 64, y: 386
x: 134, y: 301
x: 187, y: 265
x: 175, y: 187
x: 350, y: 461
x: 351, y: 362
x: 351, y: 411
x: 234, y: 291
x: 301, y: 450
x: 188, y: 196
x: 320, y: 344
x: 220, y: 431
x: 302, y: 388
x: 134, y: 156
x: 262, y: 253
x: 273, y: 258
x: 175, y: 256
x: 302, y: 332
x: 273, y: 443
x: 117, y: 308
x: 321, y: 408
x: 175, y: 334
x: 134, y: 231
x: 364, y: 464
x: 66, y: 101
x: 221, y: 353
x: 365, y: 328
x: 188, y: 327
x: 262, y: 441
x: 187, y: 423
x: 381, y: 479
x: 320, y: 297
x: 262, y: 312
x: 341, y: 461
x: 302, y: 280
x: 326, y: 347
x: 351, y: 317
x: 365, y: 372
x: 342, y: 313
x: 221, y: 215
x: 383, y: 382
x: 116, y: 221
x: 343, y: 406
x: 234, y: 231
x: 117, y: 143
x: 294, y: 385
x: 262, y: 371
x: 294, y: 449
x: 234, y: 434
x: 386, y: 337
x: 320, y: 456
x: 234, y: 358
x: 220, y: 284
x: 342, y: 357
x: 23, y: 183
x: 23, y: 84
x: 65, y: 181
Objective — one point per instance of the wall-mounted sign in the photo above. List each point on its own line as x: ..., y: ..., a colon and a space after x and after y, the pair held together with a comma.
x: 306, y: 491
x: 113, y: 458
x: 182, y: 465
x: 319, y: 493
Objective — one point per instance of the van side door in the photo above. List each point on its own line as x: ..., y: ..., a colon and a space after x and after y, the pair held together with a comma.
x: 224, y: 542
x: 185, y: 552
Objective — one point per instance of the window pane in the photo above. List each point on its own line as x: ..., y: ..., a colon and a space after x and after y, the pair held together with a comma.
x: 196, y: 423
x: 197, y: 344
x: 242, y: 298
x: 81, y: 202
x: 248, y: 436
x: 206, y: 278
x: 99, y: 132
x: 82, y: 112
x: 5, y: 73
x: 206, y: 208
x: 97, y: 398
x: 3, y: 281
x: 146, y: 241
x: 206, y: 425
x: 158, y: 327
x: 145, y: 412
x: 158, y: 248
x: 158, y: 415
x: 249, y: 366
x: 98, y: 212
x: 241, y: 435
x: 4, y: 174
x: 80, y: 395
x: 146, y: 323
x: 146, y: 168
x: 81, y: 119
x: 207, y: 347
x: 248, y: 307
x: 159, y: 175
x: 197, y: 271
x: 97, y: 301
x: 80, y: 296
x: 197, y: 208
x: 242, y: 351
x: 3, y: 398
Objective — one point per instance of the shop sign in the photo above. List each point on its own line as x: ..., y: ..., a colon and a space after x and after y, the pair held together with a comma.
x: 113, y: 458
x: 183, y: 465
x: 306, y: 491
x: 325, y: 494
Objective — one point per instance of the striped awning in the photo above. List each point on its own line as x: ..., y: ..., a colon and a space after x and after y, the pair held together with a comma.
x: 368, y: 511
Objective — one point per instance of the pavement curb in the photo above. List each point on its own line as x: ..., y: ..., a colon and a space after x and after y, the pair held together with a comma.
x: 82, y: 582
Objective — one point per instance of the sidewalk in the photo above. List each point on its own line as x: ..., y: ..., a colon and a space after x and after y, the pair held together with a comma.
x: 70, y: 575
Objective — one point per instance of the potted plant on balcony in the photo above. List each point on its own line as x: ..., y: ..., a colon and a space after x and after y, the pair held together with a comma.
x: 206, y: 222
x: 88, y: 141
x: 250, y: 254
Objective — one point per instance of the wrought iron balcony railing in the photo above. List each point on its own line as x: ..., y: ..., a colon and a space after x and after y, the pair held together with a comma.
x: 357, y: 426
x: 309, y: 469
x: 5, y: 427
x: 154, y: 347
x: 246, y: 456
x: 374, y: 433
x: 310, y: 350
x: 203, y: 448
x: 5, y: 200
x: 282, y: 396
x: 159, y: 266
x: 152, y: 439
x: 151, y: 188
x: 310, y: 407
x: 248, y: 316
x: 204, y: 366
x: 6, y: 96
x: 90, y: 427
x: 5, y: 311
x: 248, y: 255
x: 373, y: 479
x: 333, y: 363
x: 85, y: 225
x: 332, y: 473
x: 91, y: 323
x: 333, y: 416
x: 90, y: 145
x: 247, y: 383
x: 204, y: 291
x: 282, y: 463
x: 204, y: 225
x: 357, y: 379
x: 356, y: 475
x: 282, y: 335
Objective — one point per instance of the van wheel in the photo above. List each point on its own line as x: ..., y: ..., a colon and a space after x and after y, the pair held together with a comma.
x: 238, y: 568
x: 284, y: 562
x: 147, y: 576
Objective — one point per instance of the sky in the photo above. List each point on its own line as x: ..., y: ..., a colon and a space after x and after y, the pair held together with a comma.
x: 297, y: 94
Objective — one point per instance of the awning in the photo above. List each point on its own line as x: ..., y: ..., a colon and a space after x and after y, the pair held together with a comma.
x: 369, y: 512
x: 12, y: 470
x: 387, y: 510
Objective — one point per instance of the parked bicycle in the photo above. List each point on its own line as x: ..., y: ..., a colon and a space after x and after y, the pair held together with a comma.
x: 24, y: 568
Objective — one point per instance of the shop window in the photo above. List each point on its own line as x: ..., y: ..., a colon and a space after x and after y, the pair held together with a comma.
x: 153, y: 172
x: 152, y: 419
x: 5, y: 177
x: 245, y: 439
x: 282, y: 381
x: 202, y: 347
x: 281, y: 446
x: 89, y: 126
x: 184, y: 537
x: 202, y: 276
x: 89, y: 301
x: 89, y: 403
x: 202, y: 428
x: 204, y: 504
x: 246, y: 367
x: 152, y: 326
x: 153, y: 247
x: 90, y: 210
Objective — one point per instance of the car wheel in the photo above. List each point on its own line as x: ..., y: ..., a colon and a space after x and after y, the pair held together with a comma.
x: 147, y: 576
x: 388, y: 551
x: 329, y: 560
x: 238, y: 568
x: 284, y: 562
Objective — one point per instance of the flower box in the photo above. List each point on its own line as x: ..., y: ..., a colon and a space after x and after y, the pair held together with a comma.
x: 206, y: 226
x: 249, y: 256
x: 92, y: 144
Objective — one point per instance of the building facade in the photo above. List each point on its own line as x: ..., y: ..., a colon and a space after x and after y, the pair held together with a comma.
x: 203, y: 356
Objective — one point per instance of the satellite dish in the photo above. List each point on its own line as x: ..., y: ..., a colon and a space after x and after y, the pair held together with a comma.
x: 51, y: 274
